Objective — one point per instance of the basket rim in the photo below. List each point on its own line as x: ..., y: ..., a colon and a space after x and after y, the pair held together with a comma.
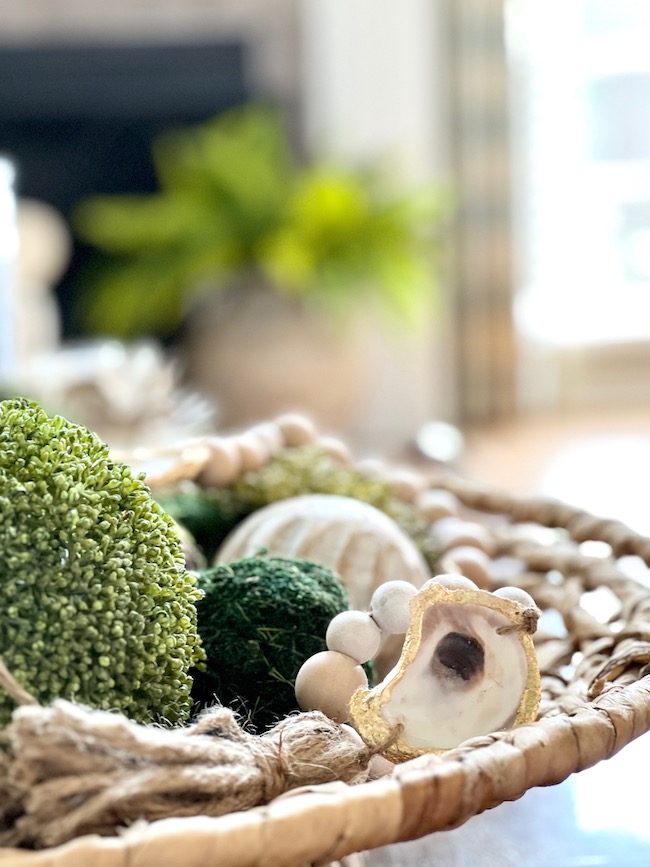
x: 407, y: 805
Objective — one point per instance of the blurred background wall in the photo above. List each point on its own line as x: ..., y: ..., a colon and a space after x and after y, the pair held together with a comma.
x: 541, y: 305
x: 355, y: 83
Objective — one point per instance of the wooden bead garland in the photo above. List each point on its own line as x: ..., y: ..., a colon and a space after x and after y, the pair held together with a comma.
x: 327, y: 681
x: 457, y: 660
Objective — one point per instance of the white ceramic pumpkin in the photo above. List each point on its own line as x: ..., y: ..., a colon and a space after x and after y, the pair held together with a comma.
x: 358, y: 541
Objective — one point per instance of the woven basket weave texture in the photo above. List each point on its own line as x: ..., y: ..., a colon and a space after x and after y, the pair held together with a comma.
x: 595, y: 700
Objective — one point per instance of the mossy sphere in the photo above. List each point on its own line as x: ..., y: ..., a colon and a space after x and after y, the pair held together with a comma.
x: 260, y: 619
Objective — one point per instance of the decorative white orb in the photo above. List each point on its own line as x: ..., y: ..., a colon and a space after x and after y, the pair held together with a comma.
x: 354, y: 633
x: 389, y: 606
x: 359, y: 542
x: 327, y: 681
x: 452, y: 581
x: 516, y: 594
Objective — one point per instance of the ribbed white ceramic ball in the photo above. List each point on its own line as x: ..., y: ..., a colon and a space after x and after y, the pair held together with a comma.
x: 359, y: 542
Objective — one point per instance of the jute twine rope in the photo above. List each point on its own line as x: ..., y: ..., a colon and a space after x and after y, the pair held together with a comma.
x: 316, y: 825
x: 72, y: 771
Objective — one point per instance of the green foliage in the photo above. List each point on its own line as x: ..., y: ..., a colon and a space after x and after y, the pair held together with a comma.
x: 259, y: 620
x: 95, y: 603
x: 233, y: 201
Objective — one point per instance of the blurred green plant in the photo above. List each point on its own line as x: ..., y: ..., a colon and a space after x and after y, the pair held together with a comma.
x: 234, y: 202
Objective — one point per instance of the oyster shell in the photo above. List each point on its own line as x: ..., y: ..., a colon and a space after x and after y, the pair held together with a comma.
x: 468, y: 668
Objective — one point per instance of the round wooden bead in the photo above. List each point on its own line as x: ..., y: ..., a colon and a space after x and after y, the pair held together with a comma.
x: 327, y: 681
x: 296, y: 429
x: 516, y: 594
x: 472, y: 562
x: 354, y: 633
x: 223, y: 464
x: 268, y: 433
x: 451, y: 532
x: 253, y: 451
x: 405, y: 483
x: 452, y: 581
x: 379, y: 767
x: 336, y: 449
x: 436, y: 504
x: 389, y: 606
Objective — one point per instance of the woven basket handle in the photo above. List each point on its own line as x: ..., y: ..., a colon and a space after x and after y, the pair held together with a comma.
x: 580, y: 524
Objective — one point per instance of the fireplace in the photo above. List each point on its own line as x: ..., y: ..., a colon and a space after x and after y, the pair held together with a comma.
x: 79, y: 120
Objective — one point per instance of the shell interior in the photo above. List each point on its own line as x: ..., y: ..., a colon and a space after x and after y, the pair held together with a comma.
x: 464, y: 672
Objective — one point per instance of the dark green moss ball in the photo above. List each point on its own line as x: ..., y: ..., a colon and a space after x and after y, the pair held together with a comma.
x: 259, y: 620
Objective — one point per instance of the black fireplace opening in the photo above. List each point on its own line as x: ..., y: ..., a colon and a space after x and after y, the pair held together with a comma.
x: 80, y: 120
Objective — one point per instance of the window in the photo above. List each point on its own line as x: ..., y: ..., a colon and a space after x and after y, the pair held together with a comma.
x: 581, y: 122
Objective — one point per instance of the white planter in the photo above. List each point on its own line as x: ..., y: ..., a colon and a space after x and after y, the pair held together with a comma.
x: 257, y: 354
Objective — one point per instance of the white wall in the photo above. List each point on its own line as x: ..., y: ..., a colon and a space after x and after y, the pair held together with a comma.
x: 373, y: 80
x: 374, y: 85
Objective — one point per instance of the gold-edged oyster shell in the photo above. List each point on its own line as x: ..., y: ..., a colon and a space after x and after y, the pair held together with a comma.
x: 468, y: 667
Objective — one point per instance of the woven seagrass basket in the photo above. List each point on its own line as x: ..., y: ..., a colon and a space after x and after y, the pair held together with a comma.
x: 595, y: 690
